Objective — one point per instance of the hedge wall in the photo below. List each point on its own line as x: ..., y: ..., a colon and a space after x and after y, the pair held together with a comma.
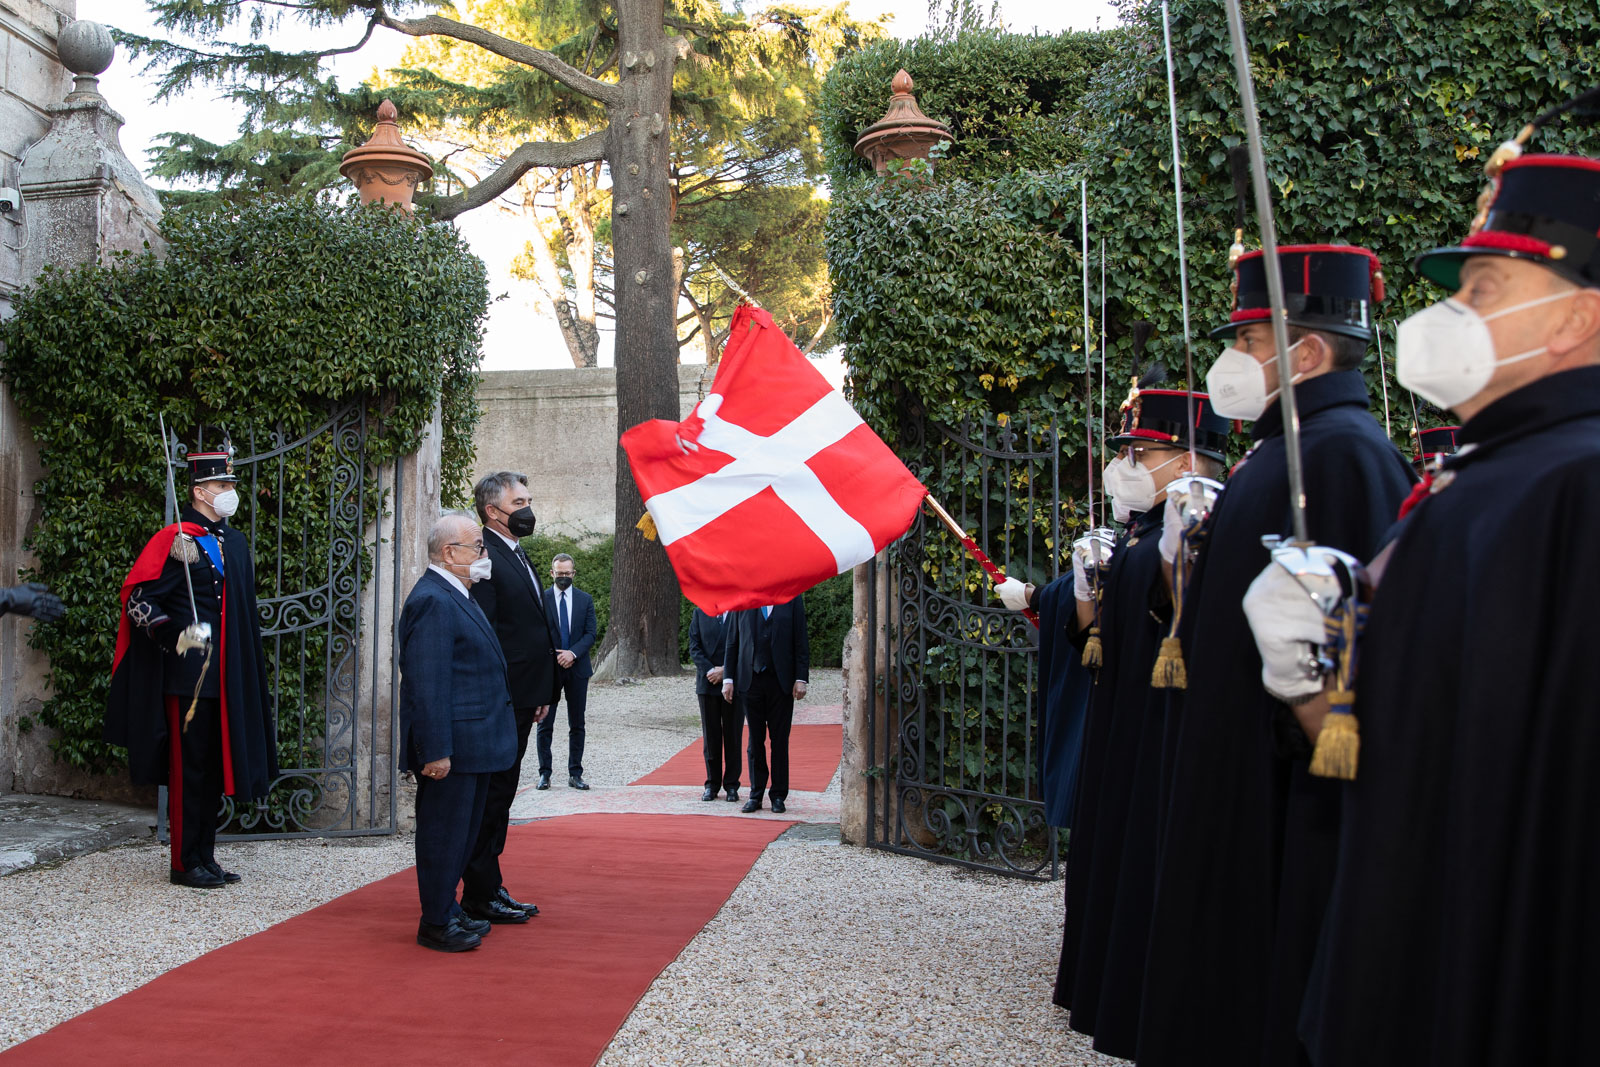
x: 263, y: 316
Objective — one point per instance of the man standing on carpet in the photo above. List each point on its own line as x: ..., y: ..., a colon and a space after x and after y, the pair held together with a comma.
x: 721, y: 721
x: 768, y: 664
x: 573, y: 613
x: 189, y: 698
x: 457, y: 725
x: 512, y: 601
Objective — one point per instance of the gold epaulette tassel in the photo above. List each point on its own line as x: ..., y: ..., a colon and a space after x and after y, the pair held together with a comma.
x: 1339, y: 743
x: 1093, y: 652
x: 1170, y: 672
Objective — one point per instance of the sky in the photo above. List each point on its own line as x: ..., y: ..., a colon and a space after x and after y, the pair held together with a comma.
x: 520, y: 334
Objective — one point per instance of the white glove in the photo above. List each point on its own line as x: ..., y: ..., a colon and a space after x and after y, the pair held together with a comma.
x: 1286, y: 622
x: 1081, y: 589
x: 1013, y: 594
x: 1171, y: 530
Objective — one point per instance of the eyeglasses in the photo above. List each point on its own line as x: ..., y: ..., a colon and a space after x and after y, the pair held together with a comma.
x: 479, y: 546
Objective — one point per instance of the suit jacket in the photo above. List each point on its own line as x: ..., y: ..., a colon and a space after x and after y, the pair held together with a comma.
x: 707, y: 647
x: 582, y: 625
x: 453, y: 696
x: 513, y: 602
x: 791, y: 650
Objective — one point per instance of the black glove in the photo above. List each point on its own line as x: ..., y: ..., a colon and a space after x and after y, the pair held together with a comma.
x: 33, y: 599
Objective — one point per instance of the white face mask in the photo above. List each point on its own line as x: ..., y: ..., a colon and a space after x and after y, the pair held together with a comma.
x: 1238, y: 385
x: 1132, y: 488
x: 1447, y: 354
x: 225, y: 503
x: 481, y: 568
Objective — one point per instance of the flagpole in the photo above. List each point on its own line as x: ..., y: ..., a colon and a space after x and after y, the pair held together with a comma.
x: 1088, y: 372
x: 996, y: 575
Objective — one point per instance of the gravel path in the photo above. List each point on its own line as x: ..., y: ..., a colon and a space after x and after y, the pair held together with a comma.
x: 826, y: 954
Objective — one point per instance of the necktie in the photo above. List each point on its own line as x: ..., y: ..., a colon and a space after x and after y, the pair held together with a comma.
x: 566, y: 630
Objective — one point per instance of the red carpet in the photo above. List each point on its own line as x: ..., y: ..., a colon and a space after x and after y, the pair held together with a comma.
x: 813, y: 759
x: 347, y: 984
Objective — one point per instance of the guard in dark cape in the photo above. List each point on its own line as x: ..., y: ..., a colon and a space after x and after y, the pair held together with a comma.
x: 1461, y: 929
x: 1112, y: 856
x: 195, y: 716
x: 1248, y: 843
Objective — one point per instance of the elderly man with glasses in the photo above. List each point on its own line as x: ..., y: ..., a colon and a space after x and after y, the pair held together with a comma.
x: 456, y: 721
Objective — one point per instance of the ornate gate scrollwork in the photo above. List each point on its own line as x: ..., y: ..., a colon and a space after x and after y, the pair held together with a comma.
x: 953, y: 724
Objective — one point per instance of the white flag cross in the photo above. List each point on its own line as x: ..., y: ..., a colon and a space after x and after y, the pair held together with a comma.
x: 777, y: 463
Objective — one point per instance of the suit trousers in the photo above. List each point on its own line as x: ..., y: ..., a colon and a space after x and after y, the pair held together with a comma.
x: 769, y: 709
x: 194, y: 780
x: 576, y: 691
x: 721, y: 729
x: 481, y: 880
x: 449, y: 810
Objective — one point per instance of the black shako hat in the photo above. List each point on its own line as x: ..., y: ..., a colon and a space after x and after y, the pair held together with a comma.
x: 1161, y: 416
x: 211, y: 467
x: 1436, y: 442
x: 1325, y: 287
x: 1545, y: 209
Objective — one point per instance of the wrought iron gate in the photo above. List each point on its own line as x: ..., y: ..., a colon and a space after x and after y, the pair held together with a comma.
x: 952, y: 723
x: 323, y: 524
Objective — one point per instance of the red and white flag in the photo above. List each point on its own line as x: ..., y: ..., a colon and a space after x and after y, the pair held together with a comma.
x: 773, y: 483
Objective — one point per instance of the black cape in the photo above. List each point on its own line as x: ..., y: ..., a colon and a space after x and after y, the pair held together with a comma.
x: 1462, y: 930
x: 1063, y: 700
x: 1247, y: 858
x: 1110, y: 864
x: 136, y: 716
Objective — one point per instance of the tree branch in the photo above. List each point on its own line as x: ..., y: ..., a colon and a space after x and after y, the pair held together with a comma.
x: 526, y: 157
x: 537, y: 58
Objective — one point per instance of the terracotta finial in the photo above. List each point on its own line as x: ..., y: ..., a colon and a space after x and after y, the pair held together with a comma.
x: 386, y: 168
x: 904, y: 132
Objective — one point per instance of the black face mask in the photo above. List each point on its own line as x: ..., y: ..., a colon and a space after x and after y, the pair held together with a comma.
x: 563, y: 583
x: 520, y: 522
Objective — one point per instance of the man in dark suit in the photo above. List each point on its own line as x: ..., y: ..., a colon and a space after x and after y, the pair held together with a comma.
x: 721, y: 721
x: 768, y: 664
x: 514, y: 605
x: 571, y: 611
x: 456, y: 722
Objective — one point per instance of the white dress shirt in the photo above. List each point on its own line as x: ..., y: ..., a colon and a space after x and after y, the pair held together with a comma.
x: 461, y: 586
x: 516, y: 548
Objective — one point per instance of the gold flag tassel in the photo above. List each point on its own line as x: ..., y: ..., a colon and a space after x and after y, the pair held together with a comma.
x: 1339, y: 743
x: 646, y: 526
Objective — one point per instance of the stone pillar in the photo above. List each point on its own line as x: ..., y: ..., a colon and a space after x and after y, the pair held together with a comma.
x: 80, y: 200
x: 866, y: 712
x: 415, y: 503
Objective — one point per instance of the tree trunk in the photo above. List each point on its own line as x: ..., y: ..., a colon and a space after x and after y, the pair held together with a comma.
x: 577, y: 231
x: 642, y: 638
x: 548, y: 276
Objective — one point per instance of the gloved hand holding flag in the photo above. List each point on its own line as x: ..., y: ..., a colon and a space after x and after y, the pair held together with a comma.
x: 773, y: 483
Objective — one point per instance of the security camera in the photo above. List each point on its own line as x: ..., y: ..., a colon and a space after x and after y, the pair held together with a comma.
x: 10, y: 200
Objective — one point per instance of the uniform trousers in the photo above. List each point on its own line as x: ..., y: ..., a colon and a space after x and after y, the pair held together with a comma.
x: 194, y: 780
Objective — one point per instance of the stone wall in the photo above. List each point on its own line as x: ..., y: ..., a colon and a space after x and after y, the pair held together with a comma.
x: 559, y: 427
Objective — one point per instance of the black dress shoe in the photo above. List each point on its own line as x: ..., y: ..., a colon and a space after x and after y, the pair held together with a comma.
x: 227, y: 876
x: 544, y: 781
x: 494, y: 912
x: 710, y: 793
x: 751, y: 805
x: 732, y: 797
x: 512, y: 902
x: 577, y: 782
x: 197, y: 877
x: 479, y: 927
x: 777, y: 805
x: 448, y: 938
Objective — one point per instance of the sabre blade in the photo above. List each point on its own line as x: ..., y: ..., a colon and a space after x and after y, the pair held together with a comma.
x: 1177, y: 198
x: 1269, y: 252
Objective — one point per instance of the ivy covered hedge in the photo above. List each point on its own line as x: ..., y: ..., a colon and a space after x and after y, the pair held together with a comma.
x: 958, y: 293
x: 263, y: 317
